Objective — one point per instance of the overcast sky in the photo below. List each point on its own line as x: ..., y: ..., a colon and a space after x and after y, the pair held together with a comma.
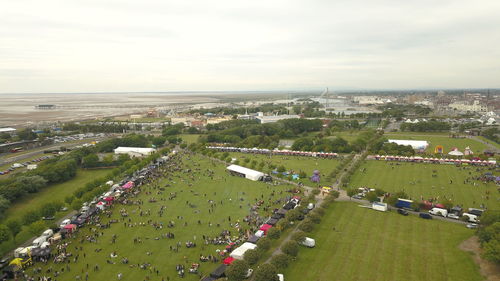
x: 163, y: 45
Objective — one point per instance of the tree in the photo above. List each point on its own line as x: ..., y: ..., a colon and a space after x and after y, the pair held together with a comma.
x: 251, y: 256
x: 264, y: 243
x: 299, y: 236
x: 266, y: 272
x: 273, y: 233
x: 290, y: 248
x: 14, y: 227
x: 91, y: 161
x: 30, y: 217
x: 351, y: 192
x: 491, y: 251
x: 293, y: 215
x: 371, y: 196
x: 281, y: 261
x: 281, y: 169
x: 31, y: 184
x: 36, y: 228
x: 159, y: 141
x: 4, y: 205
x: 306, y: 226
x: 4, y: 233
x: 237, y: 271
x: 315, y: 218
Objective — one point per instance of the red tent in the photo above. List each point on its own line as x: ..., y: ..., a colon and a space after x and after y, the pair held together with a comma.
x: 70, y: 227
x: 228, y: 261
x: 265, y: 228
x: 128, y: 185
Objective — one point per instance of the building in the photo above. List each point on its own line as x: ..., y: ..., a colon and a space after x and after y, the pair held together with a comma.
x: 367, y: 100
x: 135, y: 151
x: 7, y: 130
x: 275, y: 118
x: 464, y: 106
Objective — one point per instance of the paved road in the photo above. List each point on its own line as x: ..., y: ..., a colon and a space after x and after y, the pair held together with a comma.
x: 39, y: 150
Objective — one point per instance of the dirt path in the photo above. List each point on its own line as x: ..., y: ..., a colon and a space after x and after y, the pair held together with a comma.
x: 489, y: 270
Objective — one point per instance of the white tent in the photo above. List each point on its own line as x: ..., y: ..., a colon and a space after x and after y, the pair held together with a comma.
x: 239, y: 252
x: 134, y: 150
x: 248, y: 173
x: 415, y: 144
x: 455, y: 153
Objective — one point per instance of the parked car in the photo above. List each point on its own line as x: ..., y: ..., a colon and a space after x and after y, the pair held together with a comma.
x: 403, y: 212
x: 425, y: 216
x: 281, y: 277
x: 453, y: 216
x: 472, y: 225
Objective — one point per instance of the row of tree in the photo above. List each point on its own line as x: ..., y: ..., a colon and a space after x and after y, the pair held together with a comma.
x: 426, y: 126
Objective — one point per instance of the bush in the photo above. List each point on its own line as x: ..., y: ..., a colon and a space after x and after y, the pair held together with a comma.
x: 293, y: 215
x: 251, y: 256
x: 281, y: 261
x: 306, y: 226
x: 273, y: 233
x: 320, y: 211
x: 282, y: 224
x: 264, y: 244
x: 316, y: 191
x: 290, y: 248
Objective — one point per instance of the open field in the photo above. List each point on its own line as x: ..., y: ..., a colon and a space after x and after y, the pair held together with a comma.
x: 370, y: 245
x: 189, y: 139
x: 190, y: 210
x: 293, y: 163
x: 416, y: 180
x: 444, y: 140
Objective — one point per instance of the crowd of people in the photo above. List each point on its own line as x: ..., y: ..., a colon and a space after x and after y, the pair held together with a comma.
x: 146, y: 206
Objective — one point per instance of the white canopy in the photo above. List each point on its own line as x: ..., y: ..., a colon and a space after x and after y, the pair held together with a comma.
x: 455, y: 153
x: 239, y: 252
x: 249, y: 173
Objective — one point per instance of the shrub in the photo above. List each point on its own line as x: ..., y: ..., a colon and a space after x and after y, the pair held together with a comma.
x: 315, y: 218
x: 316, y: 191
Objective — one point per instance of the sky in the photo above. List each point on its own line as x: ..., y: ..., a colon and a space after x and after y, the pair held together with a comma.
x: 232, y: 45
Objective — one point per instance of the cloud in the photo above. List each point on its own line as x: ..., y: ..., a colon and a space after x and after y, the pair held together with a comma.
x: 125, y: 45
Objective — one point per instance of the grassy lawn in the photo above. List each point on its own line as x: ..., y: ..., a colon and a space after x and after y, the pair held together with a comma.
x: 232, y: 196
x: 56, y: 192
x: 294, y: 163
x: 497, y: 145
x: 349, y: 136
x: 416, y: 180
x: 190, y: 138
x: 370, y: 245
x: 447, y: 142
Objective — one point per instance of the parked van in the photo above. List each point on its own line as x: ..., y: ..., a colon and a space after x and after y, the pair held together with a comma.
x: 39, y: 241
x: 472, y: 218
x: 64, y: 223
x: 308, y: 242
x: 48, y: 233
x: 438, y: 212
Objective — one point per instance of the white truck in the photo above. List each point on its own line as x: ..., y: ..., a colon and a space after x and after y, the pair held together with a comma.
x: 438, y: 212
x: 37, y: 243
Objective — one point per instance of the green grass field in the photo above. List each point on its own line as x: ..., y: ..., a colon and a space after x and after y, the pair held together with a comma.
x: 370, y: 245
x: 56, y: 192
x: 497, y: 145
x: 190, y: 138
x: 447, y: 142
x: 294, y: 163
x: 233, y: 197
x: 416, y: 180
